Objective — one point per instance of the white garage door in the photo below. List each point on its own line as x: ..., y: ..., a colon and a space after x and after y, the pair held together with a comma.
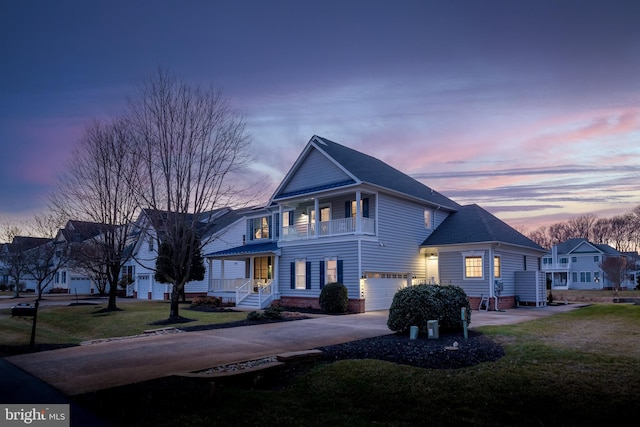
x: 143, y: 286
x: 80, y: 286
x: 158, y: 290
x: 378, y: 293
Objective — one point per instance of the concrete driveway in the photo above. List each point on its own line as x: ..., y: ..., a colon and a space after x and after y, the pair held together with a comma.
x: 86, y: 368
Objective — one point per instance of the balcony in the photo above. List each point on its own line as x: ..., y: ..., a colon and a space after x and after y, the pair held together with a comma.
x: 333, y: 228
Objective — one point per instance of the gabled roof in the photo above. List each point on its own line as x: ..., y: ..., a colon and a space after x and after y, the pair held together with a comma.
x: 79, y: 231
x: 570, y: 245
x: 365, y: 169
x: 472, y: 224
x: 24, y: 243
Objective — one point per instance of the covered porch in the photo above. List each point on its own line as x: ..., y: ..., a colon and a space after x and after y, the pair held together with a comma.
x: 256, y: 286
x: 330, y: 215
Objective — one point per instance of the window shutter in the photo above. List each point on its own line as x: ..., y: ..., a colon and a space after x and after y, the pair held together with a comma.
x: 291, y: 217
x: 275, y: 234
x: 293, y: 275
x: 347, y: 209
x: 365, y: 208
x: 308, y: 275
x: 340, y: 275
x: 321, y: 274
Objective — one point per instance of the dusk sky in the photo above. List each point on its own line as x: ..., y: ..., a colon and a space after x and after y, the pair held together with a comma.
x: 529, y: 108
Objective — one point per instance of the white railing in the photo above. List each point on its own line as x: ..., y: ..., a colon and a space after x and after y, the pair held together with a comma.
x: 265, y: 293
x: 226, y: 285
x: 336, y: 227
x: 243, y: 291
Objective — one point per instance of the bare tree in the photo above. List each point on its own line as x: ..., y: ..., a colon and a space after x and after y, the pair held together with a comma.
x: 582, y: 226
x: 616, y: 269
x: 601, y: 231
x: 46, y: 260
x: 100, y: 185
x: 191, y: 143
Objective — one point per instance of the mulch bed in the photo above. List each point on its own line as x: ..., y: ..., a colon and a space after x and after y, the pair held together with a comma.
x: 421, y: 352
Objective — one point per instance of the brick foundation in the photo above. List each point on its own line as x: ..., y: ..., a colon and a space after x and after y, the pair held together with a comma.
x: 503, y: 303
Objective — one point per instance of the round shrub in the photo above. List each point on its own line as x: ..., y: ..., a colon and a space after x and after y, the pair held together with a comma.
x: 334, y: 298
x: 415, y: 305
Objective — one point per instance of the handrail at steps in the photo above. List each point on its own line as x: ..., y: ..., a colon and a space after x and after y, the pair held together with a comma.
x: 243, y: 291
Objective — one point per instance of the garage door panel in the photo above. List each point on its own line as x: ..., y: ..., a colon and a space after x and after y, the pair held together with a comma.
x: 379, y: 293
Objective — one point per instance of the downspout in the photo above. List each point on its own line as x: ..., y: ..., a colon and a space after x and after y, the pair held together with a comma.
x: 492, y: 293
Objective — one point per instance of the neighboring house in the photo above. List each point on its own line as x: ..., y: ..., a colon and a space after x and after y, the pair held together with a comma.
x: 13, y: 258
x: 575, y: 264
x: 74, y: 279
x: 139, y: 271
x: 343, y: 216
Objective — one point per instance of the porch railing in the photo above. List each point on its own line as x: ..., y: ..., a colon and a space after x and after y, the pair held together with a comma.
x: 336, y: 227
x: 243, y: 291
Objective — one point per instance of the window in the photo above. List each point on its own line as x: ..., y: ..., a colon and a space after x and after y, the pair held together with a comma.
x: 300, y: 274
x: 596, y: 258
x: 127, y: 273
x: 574, y: 259
x: 150, y: 242
x: 350, y: 208
x: 61, y: 277
x: 564, y: 260
x: 496, y: 266
x: 574, y: 277
x: 287, y: 218
x: 428, y: 219
x: 585, y: 276
x: 473, y: 267
x: 331, y: 270
x: 260, y: 228
x: 596, y: 276
x: 325, y: 214
x: 546, y: 261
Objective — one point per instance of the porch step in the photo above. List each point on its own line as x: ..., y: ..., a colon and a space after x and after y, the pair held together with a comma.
x: 252, y: 301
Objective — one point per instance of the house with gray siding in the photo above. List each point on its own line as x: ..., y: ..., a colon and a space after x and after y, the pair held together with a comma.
x: 575, y: 264
x: 340, y: 215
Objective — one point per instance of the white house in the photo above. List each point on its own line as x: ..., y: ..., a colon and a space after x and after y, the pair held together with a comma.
x: 340, y: 215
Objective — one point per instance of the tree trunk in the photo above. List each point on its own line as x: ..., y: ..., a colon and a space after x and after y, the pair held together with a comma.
x: 113, y: 293
x: 174, y: 312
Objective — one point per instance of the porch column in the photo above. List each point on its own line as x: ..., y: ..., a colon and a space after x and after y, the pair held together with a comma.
x: 281, y: 222
x: 316, y: 208
x: 358, y: 212
x: 251, y: 264
x: 210, y: 285
x: 276, y: 277
x: 222, y: 284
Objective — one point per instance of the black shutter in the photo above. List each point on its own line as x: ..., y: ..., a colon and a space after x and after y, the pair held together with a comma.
x: 347, y: 209
x: 340, y: 275
x: 291, y: 217
x: 321, y: 274
x: 308, y: 275
x: 365, y: 208
x: 293, y: 275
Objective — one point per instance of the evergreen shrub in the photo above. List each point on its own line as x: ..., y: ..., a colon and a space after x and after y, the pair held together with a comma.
x: 334, y: 298
x: 415, y: 305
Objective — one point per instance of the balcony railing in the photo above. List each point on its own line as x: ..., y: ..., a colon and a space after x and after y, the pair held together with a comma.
x: 336, y: 227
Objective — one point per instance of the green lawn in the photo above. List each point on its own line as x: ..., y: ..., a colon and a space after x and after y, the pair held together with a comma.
x: 74, y: 324
x: 572, y: 369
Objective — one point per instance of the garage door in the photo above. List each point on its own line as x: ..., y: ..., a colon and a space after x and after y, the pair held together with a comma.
x: 80, y: 286
x: 143, y: 286
x: 159, y: 290
x: 378, y: 293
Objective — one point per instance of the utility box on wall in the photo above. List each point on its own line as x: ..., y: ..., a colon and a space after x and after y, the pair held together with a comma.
x: 433, y: 329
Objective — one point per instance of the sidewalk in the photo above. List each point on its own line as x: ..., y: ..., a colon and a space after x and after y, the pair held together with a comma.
x: 49, y: 376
